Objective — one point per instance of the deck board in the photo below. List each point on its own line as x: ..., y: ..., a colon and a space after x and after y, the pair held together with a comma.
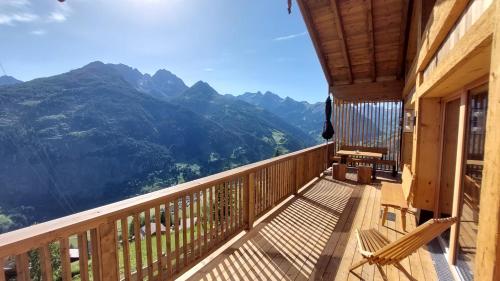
x: 311, y: 237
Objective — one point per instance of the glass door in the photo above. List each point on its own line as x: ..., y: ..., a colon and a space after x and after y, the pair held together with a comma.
x: 471, y: 180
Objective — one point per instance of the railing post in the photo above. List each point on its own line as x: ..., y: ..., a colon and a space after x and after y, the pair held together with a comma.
x: 294, y: 175
x: 107, y: 243
x: 249, y: 201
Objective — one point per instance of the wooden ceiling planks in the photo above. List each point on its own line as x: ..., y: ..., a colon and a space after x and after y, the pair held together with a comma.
x: 360, y: 41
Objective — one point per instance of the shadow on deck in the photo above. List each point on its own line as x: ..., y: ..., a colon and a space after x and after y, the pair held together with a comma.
x: 312, y: 237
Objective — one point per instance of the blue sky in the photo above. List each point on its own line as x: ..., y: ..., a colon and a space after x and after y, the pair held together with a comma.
x: 234, y: 45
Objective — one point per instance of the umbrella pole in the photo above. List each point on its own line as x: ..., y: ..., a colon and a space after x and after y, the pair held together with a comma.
x: 326, y: 164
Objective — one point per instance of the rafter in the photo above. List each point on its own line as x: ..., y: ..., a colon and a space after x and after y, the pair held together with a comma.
x: 340, y: 31
x: 314, y: 37
x: 372, y: 40
x: 403, y: 33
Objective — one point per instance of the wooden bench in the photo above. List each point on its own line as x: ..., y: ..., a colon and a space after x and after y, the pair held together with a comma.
x: 397, y: 195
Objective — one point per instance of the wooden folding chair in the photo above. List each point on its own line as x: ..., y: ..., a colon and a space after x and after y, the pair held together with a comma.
x: 377, y: 249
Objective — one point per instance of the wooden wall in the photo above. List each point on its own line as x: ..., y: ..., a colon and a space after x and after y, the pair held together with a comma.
x: 488, y: 239
x: 449, y: 156
x: 407, y: 147
x: 426, y: 152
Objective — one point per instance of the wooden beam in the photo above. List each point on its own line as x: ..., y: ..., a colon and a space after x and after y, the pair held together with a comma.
x: 337, y: 17
x: 373, y: 66
x: 403, y: 33
x: 444, y: 16
x: 488, y: 241
x: 476, y: 42
x: 369, y: 91
x: 306, y: 15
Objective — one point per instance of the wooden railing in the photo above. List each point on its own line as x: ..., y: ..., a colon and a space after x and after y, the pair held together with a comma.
x: 118, y: 241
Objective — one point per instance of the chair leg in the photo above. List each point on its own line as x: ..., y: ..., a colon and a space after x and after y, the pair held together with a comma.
x: 358, y: 264
x: 384, y: 215
x: 403, y: 218
x: 405, y: 272
x: 382, y: 272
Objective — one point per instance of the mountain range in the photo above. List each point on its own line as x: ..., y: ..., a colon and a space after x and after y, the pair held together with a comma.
x: 105, y: 132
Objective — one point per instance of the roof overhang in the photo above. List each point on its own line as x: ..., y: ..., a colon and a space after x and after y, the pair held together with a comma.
x: 360, y: 45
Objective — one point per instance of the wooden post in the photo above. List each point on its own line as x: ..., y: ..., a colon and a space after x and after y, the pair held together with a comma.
x: 488, y: 238
x: 457, y: 186
x: 109, y: 254
x: 249, y: 200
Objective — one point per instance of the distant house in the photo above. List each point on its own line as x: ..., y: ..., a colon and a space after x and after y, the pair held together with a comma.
x: 74, y: 255
x: 163, y: 229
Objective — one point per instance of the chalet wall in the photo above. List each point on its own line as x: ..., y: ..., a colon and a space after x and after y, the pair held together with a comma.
x: 406, y: 153
x: 426, y: 152
x: 449, y: 156
x: 488, y: 246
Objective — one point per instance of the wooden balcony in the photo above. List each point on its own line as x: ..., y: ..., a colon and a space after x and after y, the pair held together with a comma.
x: 272, y: 220
x: 311, y: 236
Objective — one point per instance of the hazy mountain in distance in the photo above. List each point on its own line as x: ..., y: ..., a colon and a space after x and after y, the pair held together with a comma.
x: 163, y: 84
x: 8, y: 80
x: 306, y: 116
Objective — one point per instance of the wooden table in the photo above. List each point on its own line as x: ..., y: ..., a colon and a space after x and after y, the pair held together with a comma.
x: 368, y: 154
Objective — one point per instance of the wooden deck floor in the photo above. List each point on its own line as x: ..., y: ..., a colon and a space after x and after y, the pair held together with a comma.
x: 312, y: 237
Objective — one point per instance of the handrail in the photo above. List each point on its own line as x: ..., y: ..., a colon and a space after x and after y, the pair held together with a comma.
x: 237, y: 185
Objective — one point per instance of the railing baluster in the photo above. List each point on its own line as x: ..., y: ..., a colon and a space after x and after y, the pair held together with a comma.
x: 149, y: 247
x: 95, y: 252
x: 83, y: 255
x: 65, y: 259
x: 226, y: 209
x: 22, y: 267
x: 198, y: 222
x: 250, y: 201
x: 158, y: 234
x: 125, y: 249
x: 168, y: 240
x: 211, y: 216
x: 137, y: 243
x: 217, y: 201
x: 206, y: 214
x: 176, y: 234
x: 2, y: 272
x: 45, y: 263
x: 109, y: 254
x: 191, y: 228
x: 232, y: 209
x: 184, y: 231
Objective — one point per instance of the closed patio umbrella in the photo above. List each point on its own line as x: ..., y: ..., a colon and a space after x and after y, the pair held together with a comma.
x: 328, y: 127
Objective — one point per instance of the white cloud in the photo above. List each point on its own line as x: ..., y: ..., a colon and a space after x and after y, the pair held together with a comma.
x: 208, y: 69
x: 15, y: 3
x: 11, y: 19
x: 291, y: 36
x: 57, y: 17
x: 39, y: 32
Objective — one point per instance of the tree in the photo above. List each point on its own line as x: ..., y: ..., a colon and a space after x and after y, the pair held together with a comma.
x: 55, y: 258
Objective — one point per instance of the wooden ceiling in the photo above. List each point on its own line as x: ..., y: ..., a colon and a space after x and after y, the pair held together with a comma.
x: 360, y: 44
